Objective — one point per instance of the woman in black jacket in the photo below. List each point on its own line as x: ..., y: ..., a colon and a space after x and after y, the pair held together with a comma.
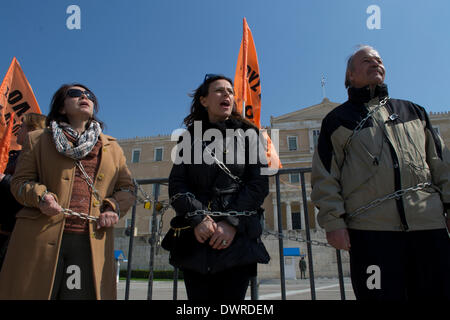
x: 30, y: 122
x: 217, y: 193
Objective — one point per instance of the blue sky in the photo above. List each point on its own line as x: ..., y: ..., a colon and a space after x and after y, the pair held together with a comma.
x: 142, y: 57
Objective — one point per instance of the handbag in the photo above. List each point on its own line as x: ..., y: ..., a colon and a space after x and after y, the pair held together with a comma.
x: 179, y: 229
x: 187, y: 253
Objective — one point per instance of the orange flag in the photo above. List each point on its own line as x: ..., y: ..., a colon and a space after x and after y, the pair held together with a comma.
x: 247, y: 87
x: 5, y: 143
x: 246, y: 80
x: 16, y: 96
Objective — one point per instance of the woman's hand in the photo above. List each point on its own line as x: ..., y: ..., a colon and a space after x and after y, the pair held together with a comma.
x: 205, y: 229
x: 223, y: 236
x: 107, y: 219
x: 49, y: 206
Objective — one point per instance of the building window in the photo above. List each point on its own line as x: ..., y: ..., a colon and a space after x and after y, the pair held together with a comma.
x: 135, y: 155
x: 296, y: 221
x: 292, y: 143
x: 294, y: 177
x: 159, y: 154
x: 316, y: 134
x: 127, y: 223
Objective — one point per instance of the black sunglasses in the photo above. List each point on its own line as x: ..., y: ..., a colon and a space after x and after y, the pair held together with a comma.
x: 75, y: 93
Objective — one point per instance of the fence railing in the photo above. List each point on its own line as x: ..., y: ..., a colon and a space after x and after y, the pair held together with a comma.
x: 253, y: 285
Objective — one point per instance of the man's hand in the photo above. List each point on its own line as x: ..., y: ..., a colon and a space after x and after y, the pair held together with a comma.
x: 49, y: 206
x: 339, y: 239
x: 107, y: 219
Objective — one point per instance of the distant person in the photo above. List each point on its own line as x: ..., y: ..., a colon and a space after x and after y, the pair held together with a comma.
x: 66, y: 170
x: 30, y: 122
x: 302, y: 266
x: 381, y: 181
x: 219, y: 202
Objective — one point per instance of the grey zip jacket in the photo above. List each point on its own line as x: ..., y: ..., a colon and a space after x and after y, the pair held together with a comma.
x: 380, y: 166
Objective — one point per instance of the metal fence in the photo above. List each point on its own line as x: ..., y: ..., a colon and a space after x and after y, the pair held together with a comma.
x: 279, y: 234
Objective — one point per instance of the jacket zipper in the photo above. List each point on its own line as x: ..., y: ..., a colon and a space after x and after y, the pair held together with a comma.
x: 398, y: 186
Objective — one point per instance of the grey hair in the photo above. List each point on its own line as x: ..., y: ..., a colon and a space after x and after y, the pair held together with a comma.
x: 350, y: 62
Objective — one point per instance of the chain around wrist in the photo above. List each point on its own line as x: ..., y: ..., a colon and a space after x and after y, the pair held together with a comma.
x: 41, y: 197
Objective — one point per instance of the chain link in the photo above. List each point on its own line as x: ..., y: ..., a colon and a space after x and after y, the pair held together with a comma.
x: 181, y: 194
x: 296, y: 238
x: 160, y: 228
x: 146, y: 196
x: 395, y: 195
x: 88, y: 180
x: 231, y: 213
x: 363, y: 121
x: 222, y: 165
x: 83, y: 216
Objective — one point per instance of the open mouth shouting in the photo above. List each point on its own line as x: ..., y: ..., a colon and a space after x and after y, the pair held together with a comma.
x: 225, y: 104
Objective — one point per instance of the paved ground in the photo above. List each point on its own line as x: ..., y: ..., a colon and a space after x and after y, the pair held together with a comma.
x: 326, y: 289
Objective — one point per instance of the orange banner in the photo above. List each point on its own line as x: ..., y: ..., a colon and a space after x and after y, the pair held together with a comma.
x: 247, y: 83
x: 247, y: 87
x: 5, y: 144
x: 16, y: 96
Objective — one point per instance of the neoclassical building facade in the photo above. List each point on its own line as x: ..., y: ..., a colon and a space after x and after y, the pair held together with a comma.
x: 298, y: 131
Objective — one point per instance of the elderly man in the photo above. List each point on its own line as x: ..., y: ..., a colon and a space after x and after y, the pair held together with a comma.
x: 381, y: 181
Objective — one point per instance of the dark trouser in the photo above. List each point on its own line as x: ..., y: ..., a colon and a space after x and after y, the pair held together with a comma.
x: 4, y: 240
x: 230, y: 284
x: 389, y: 265
x: 74, y: 278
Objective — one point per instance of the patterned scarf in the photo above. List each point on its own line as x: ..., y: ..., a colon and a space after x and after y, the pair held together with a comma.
x: 84, y: 142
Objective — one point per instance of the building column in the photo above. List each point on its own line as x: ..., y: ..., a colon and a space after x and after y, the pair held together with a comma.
x: 302, y: 216
x: 316, y: 211
x: 275, y: 217
x: 288, y: 216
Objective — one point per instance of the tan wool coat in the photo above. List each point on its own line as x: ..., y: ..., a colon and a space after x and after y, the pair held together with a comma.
x: 30, y: 264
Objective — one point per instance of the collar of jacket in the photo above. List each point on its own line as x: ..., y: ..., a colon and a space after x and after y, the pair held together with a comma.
x: 106, y: 140
x: 362, y: 95
x: 230, y: 123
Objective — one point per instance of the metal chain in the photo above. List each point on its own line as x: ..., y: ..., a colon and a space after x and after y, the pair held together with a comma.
x: 211, y: 213
x: 395, y: 195
x: 146, y: 196
x: 231, y: 213
x: 222, y: 165
x: 160, y: 228
x: 296, y: 238
x: 88, y: 180
x: 363, y: 121
x: 95, y: 193
x: 181, y: 194
x: 83, y: 216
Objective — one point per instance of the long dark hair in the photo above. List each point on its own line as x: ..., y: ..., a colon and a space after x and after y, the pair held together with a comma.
x: 198, y: 111
x: 58, y: 103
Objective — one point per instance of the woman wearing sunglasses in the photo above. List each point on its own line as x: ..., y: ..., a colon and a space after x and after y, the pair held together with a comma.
x: 75, y: 185
x: 217, y: 203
